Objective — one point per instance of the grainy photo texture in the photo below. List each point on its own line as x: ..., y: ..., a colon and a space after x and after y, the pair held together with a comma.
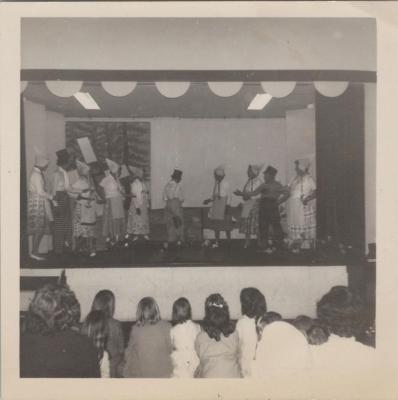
x: 197, y: 197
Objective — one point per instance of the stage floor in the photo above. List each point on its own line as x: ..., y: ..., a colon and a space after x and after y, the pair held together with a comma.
x: 150, y: 254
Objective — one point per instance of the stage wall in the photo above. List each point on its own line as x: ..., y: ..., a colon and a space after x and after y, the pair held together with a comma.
x: 291, y: 291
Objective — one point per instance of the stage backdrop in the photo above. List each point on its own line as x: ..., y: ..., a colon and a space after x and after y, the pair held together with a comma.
x: 119, y: 141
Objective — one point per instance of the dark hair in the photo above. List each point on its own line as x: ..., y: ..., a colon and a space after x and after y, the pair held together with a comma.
x: 147, y: 311
x: 95, y: 327
x: 343, y: 312
x: 317, y: 335
x: 303, y: 323
x: 216, y: 320
x: 252, y: 302
x: 54, y: 308
x: 266, y: 319
x: 181, y: 311
x: 104, y: 300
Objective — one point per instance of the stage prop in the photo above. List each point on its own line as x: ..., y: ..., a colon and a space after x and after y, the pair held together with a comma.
x: 289, y: 290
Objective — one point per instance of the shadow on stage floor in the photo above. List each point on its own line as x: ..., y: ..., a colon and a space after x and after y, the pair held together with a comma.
x: 150, y: 254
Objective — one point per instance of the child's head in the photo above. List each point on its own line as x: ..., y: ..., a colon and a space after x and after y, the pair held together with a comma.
x: 181, y: 311
x: 104, y: 300
x: 317, y: 335
x: 265, y: 320
x: 216, y: 320
x: 252, y: 302
x: 96, y: 328
x: 303, y: 323
x: 147, y: 311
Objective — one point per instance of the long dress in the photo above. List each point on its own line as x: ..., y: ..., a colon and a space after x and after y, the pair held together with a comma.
x: 173, y: 211
x: 62, y: 211
x: 218, y: 359
x: 114, y: 224
x: 84, y: 215
x: 246, y: 328
x: 138, y: 224
x: 39, y: 208
x: 250, y: 210
x: 221, y: 197
x: 301, y: 219
x: 184, y: 357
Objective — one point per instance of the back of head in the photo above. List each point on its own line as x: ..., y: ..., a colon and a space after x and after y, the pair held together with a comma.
x: 104, y: 300
x: 317, y: 335
x: 217, y: 320
x: 53, y: 308
x: 181, y: 311
x: 268, y: 318
x: 343, y: 312
x: 147, y: 312
x: 303, y: 323
x: 253, y: 302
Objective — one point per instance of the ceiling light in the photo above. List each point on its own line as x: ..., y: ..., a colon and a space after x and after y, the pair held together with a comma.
x: 260, y: 101
x: 86, y: 101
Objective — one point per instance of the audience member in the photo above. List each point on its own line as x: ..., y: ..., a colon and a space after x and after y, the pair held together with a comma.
x: 104, y: 301
x: 183, y: 336
x: 52, y: 347
x: 253, y: 306
x: 217, y: 345
x: 148, y: 351
x: 96, y: 328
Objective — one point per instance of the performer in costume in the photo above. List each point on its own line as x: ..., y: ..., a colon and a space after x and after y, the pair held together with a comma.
x: 39, y: 208
x: 301, y: 208
x: 173, y: 211
x: 250, y: 208
x: 138, y: 216
x: 114, y: 222
x: 84, y: 215
x: 220, y: 200
x: 62, y: 209
x: 272, y: 195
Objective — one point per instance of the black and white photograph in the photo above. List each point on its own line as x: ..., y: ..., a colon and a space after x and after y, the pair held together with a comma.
x: 197, y: 197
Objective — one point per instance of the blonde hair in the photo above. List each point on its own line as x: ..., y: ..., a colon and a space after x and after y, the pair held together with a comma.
x: 147, y: 311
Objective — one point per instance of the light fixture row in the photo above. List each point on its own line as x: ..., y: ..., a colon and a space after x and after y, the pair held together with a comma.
x: 177, y: 89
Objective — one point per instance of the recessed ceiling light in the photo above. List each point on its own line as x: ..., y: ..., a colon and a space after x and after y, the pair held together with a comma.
x: 260, y: 101
x: 86, y: 101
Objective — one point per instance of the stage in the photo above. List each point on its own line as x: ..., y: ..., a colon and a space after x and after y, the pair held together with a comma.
x: 150, y: 254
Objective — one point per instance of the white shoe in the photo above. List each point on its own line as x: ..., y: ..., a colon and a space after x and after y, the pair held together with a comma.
x: 93, y: 254
x: 146, y: 237
x: 126, y: 245
x: 215, y: 245
x: 36, y: 257
x: 135, y: 238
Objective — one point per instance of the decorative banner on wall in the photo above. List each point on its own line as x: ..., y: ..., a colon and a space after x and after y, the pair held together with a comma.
x: 64, y: 88
x: 225, y: 89
x: 172, y: 89
x: 119, y: 89
x: 331, y: 89
x: 24, y: 84
x: 278, y: 89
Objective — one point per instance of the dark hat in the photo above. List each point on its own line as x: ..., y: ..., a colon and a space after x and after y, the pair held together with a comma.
x: 97, y: 168
x: 62, y: 156
x: 271, y: 170
x: 177, y: 173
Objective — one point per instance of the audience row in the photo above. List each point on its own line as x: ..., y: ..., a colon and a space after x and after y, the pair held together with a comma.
x: 55, y: 344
